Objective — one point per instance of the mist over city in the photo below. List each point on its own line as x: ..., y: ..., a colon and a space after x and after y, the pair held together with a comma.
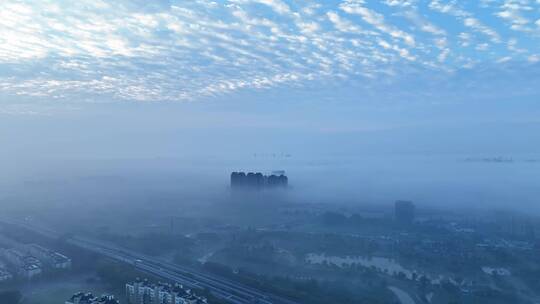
x: 270, y: 152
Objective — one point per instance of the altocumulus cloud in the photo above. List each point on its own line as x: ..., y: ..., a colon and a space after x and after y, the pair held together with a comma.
x: 188, y: 50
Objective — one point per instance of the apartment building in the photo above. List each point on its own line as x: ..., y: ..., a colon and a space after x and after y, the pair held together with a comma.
x: 28, y: 266
x: 50, y: 258
x: 144, y: 292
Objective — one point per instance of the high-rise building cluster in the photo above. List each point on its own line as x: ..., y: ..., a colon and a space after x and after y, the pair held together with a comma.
x: 258, y: 181
x: 144, y: 292
x: 89, y: 298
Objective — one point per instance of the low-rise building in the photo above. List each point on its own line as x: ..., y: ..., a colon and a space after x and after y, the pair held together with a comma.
x: 30, y: 270
x: 13, y: 257
x: 50, y: 258
x: 28, y: 266
x: 89, y: 298
x: 5, y: 275
x: 143, y: 292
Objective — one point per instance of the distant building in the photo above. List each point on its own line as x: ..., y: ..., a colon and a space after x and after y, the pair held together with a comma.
x: 143, y: 292
x: 28, y: 266
x: 238, y: 180
x: 258, y: 181
x: 50, y: 258
x: 88, y: 298
x: 404, y: 212
x: 4, y: 274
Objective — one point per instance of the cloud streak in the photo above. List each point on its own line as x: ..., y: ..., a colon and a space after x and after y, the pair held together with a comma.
x: 191, y: 50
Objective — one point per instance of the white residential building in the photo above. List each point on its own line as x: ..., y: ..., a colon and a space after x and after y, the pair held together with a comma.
x: 27, y: 265
x: 50, y: 258
x: 143, y: 292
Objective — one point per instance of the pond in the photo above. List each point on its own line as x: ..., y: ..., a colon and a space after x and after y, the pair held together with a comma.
x: 386, y: 265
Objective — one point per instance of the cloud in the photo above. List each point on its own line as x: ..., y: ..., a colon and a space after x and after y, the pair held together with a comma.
x: 401, y: 51
x: 466, y: 17
x: 534, y: 58
x: 479, y: 27
x: 278, y: 6
x: 423, y: 24
x: 376, y: 20
x: 193, y: 50
x: 401, y: 3
x: 512, y: 12
x: 343, y: 25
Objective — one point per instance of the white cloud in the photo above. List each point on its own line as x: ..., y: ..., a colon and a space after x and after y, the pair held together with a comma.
x: 513, y: 46
x: 194, y: 49
x: 511, y: 11
x: 377, y: 21
x: 465, y: 39
x: 423, y: 24
x: 401, y: 51
x: 443, y: 55
x: 343, y: 24
x: 482, y: 47
x: 401, y: 3
x: 277, y: 5
x: 479, y: 27
x: 466, y: 17
x: 504, y: 59
x: 534, y: 58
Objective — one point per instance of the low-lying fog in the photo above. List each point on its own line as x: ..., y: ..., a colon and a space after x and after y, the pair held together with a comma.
x: 188, y: 152
x: 450, y: 180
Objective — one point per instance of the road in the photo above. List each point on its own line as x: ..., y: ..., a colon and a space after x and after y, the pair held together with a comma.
x: 404, y: 298
x: 224, y: 288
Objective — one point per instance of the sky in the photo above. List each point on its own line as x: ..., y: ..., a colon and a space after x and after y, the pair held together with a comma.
x: 388, y: 97
x: 337, y: 75
x: 191, y: 50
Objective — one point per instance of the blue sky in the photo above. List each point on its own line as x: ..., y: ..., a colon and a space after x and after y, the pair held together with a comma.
x: 196, y: 50
x: 318, y: 70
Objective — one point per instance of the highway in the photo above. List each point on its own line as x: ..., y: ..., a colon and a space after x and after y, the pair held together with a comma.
x: 224, y: 288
